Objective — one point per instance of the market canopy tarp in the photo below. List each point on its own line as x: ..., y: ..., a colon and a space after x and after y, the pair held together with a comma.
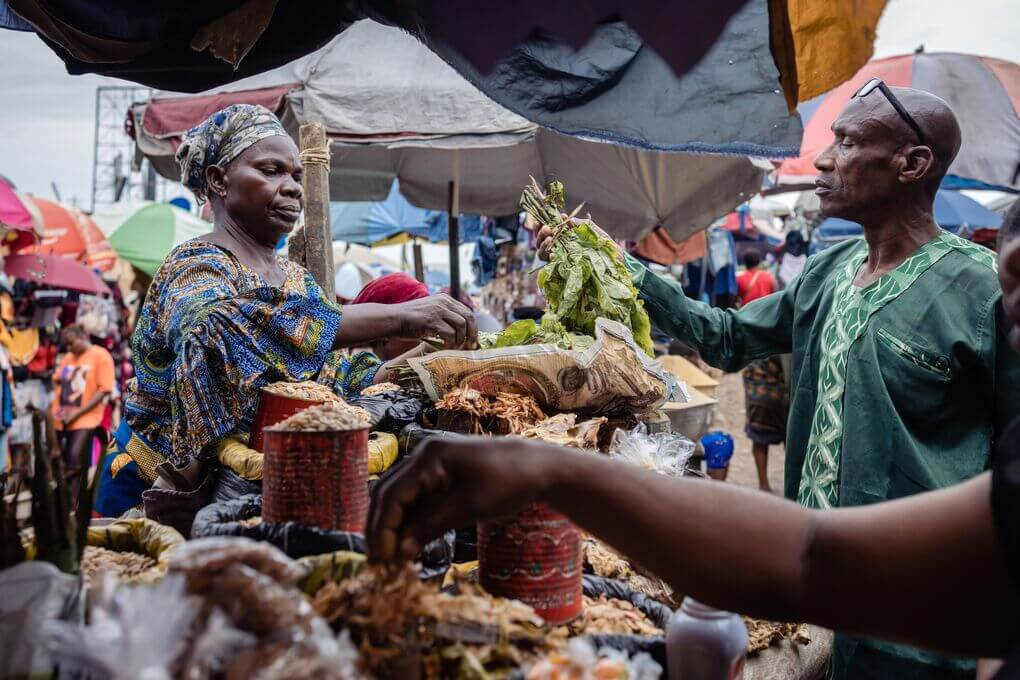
x: 68, y: 233
x: 984, y: 93
x: 144, y: 233
x: 394, y: 109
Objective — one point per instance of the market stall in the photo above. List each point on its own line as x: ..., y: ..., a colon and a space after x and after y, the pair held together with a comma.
x: 269, y: 573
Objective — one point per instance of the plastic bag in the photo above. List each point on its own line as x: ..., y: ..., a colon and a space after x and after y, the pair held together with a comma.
x: 177, y: 508
x: 31, y: 595
x: 657, y: 613
x: 228, y: 485
x: 663, y: 452
x: 390, y: 411
x: 233, y: 453
x: 581, y: 660
x: 296, y: 540
x: 133, y: 632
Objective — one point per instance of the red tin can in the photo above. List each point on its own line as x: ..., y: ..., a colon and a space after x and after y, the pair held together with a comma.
x: 534, y: 557
x: 272, y: 409
x: 317, y: 479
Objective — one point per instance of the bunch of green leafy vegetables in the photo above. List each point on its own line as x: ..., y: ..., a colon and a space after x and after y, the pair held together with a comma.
x: 585, y: 278
x: 527, y: 332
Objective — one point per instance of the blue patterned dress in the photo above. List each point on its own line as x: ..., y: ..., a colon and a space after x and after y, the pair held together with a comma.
x: 211, y: 333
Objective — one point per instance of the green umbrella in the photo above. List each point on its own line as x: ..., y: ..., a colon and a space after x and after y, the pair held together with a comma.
x: 144, y: 236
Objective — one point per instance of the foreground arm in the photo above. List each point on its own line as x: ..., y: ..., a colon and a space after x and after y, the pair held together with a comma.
x: 437, y: 316
x: 921, y: 570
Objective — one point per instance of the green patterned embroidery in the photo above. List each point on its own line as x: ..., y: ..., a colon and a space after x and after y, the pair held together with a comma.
x: 851, y: 309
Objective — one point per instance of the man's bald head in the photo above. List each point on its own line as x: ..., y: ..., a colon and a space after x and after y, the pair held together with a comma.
x: 877, y: 160
x: 938, y: 123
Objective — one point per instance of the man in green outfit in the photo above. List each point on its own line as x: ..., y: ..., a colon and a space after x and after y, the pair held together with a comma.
x: 902, y: 373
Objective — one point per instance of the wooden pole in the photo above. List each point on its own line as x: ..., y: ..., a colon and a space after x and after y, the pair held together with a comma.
x: 419, y: 267
x: 453, y: 237
x: 318, y: 231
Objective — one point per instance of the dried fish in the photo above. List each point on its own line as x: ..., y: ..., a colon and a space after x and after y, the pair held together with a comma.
x: 763, y: 634
x: 614, y: 617
x: 563, y: 429
x: 516, y: 412
x: 607, y: 563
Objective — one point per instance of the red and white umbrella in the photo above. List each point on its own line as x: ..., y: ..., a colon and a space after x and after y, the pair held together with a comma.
x: 984, y: 93
x: 68, y: 233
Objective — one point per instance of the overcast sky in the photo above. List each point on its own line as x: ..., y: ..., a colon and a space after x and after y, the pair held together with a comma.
x: 47, y: 117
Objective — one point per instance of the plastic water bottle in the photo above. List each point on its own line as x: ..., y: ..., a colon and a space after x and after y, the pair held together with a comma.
x: 703, y: 643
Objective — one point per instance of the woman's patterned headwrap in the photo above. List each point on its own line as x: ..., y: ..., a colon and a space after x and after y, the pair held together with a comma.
x: 221, y: 138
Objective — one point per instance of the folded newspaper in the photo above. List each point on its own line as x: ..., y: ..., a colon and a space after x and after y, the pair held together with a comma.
x: 613, y: 375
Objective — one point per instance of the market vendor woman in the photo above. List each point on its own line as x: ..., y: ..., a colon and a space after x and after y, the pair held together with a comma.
x: 225, y: 315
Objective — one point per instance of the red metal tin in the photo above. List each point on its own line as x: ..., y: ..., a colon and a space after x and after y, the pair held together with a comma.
x: 534, y: 557
x: 316, y: 478
x: 272, y: 409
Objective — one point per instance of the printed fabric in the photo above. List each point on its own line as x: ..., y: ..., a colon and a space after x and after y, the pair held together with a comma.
x: 211, y: 334
x: 851, y: 309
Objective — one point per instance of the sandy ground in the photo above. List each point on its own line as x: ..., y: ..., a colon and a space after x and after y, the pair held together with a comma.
x: 729, y: 417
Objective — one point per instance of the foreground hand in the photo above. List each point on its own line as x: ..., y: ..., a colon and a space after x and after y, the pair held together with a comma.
x: 438, y: 316
x: 447, y: 484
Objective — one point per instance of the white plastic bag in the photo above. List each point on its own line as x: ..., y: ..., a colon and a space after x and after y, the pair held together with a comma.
x: 663, y: 452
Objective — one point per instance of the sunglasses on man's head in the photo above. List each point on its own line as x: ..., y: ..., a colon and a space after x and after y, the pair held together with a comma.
x: 877, y: 84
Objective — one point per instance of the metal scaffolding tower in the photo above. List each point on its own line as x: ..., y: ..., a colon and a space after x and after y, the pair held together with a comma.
x: 114, y: 174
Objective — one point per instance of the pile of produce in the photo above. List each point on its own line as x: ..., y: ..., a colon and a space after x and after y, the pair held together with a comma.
x: 605, y: 562
x: 580, y: 661
x: 123, y: 565
x: 563, y: 429
x: 614, y: 617
x: 763, y: 634
x: 306, y: 391
x: 380, y: 388
x: 515, y: 412
x: 585, y: 278
x: 335, y: 415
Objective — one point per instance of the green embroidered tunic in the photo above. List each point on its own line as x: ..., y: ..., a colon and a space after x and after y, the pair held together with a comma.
x: 897, y: 388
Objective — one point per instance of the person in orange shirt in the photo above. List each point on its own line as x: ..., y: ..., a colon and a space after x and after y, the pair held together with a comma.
x: 84, y: 381
x: 766, y: 397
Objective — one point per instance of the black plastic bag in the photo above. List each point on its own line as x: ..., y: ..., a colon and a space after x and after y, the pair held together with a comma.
x: 229, y: 486
x: 390, y: 411
x: 657, y: 613
x: 174, y: 508
x: 298, y: 540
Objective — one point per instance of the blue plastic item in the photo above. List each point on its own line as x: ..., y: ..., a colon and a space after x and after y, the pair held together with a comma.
x: 718, y: 447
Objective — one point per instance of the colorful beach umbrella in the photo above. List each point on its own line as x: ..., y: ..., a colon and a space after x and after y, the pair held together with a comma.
x: 55, y: 271
x: 13, y: 213
x: 984, y: 93
x: 143, y: 234
x: 66, y: 232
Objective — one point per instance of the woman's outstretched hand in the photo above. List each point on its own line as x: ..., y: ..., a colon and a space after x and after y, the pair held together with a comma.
x: 437, y: 316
